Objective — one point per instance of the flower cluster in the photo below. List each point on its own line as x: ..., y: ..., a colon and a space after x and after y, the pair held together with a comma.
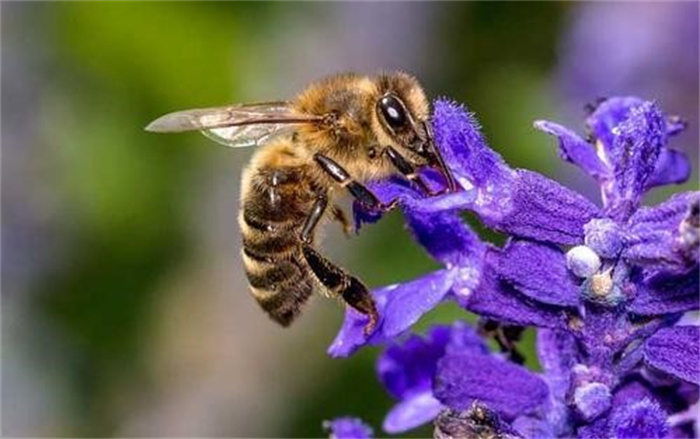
x: 605, y: 287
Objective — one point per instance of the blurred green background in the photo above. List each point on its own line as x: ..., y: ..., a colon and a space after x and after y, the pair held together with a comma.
x: 124, y: 305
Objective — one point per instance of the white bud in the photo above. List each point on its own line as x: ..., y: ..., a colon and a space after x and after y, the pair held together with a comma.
x: 583, y: 261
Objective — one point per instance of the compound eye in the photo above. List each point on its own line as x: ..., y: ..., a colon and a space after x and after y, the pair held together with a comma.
x: 393, y: 111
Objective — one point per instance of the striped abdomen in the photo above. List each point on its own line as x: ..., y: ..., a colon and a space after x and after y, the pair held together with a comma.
x: 275, y: 204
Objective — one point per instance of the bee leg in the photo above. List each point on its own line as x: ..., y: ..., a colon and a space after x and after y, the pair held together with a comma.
x: 332, y: 277
x: 406, y: 169
x: 314, y: 217
x: 340, y: 283
x: 340, y: 216
x: 358, y: 190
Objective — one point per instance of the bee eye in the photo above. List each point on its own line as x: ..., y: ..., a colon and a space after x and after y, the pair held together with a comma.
x: 393, y: 111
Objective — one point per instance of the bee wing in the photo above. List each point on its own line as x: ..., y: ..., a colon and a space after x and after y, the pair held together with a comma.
x: 235, y: 125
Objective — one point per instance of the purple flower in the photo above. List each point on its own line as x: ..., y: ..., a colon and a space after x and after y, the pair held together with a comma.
x: 609, y: 43
x: 603, y: 285
x: 427, y: 374
x: 348, y: 428
x: 407, y: 371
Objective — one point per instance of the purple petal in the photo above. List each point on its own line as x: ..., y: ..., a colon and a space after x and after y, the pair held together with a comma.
x: 533, y: 428
x: 495, y: 299
x: 638, y: 142
x: 399, y: 189
x: 539, y: 272
x: 667, y: 293
x: 640, y: 419
x: 348, y: 428
x: 672, y: 167
x: 597, y: 429
x: 465, y: 340
x: 540, y: 209
x: 675, y: 351
x: 412, y: 412
x: 399, y: 307
x: 445, y: 236
x: 386, y: 190
x: 464, y: 149
x: 408, y: 368
x: 352, y: 335
x: 434, y: 221
x: 574, y: 149
x: 407, y: 302
x: 557, y: 353
x: 611, y: 112
x: 608, y: 115
x: 667, y: 235
x: 509, y: 389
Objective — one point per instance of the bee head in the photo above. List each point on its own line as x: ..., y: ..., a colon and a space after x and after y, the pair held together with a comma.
x: 401, y: 112
x: 401, y: 120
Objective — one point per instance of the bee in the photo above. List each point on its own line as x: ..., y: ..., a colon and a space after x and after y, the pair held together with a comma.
x: 337, y: 134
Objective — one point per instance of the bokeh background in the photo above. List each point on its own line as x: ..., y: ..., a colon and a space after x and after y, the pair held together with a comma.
x: 124, y: 305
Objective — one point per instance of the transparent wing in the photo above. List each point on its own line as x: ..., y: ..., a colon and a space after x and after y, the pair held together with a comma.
x: 236, y: 125
x: 239, y: 136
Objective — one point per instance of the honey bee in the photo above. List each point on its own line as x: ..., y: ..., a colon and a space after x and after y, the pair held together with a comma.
x: 339, y: 132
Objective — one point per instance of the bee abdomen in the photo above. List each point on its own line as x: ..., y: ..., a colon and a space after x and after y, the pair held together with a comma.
x: 279, y: 278
x: 275, y: 277
x: 276, y: 199
x: 270, y: 244
x: 281, y: 287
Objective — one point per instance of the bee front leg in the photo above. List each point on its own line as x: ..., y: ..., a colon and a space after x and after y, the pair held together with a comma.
x: 356, y: 189
x: 406, y: 169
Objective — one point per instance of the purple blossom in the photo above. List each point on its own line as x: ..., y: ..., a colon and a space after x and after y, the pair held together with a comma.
x: 609, y: 43
x: 604, y: 286
x: 407, y: 371
x: 348, y: 428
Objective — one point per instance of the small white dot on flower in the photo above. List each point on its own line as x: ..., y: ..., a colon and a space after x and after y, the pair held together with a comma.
x: 583, y: 261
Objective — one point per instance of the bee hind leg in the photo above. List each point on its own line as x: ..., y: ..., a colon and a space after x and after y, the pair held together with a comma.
x: 341, y: 284
x: 334, y: 279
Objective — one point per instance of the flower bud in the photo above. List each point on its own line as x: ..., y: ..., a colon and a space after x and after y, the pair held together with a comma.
x: 604, y: 237
x: 591, y: 400
x: 583, y: 261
